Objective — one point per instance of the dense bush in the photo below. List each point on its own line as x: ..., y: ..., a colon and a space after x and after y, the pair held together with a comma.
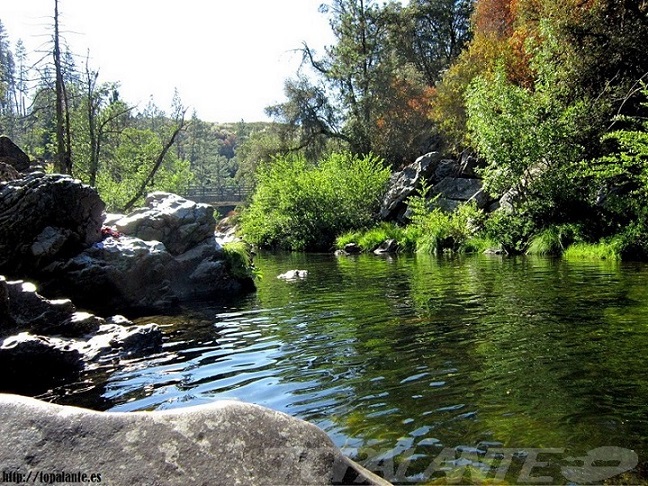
x: 299, y: 206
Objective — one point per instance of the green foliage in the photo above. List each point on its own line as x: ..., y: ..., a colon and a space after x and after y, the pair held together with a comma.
x: 238, y: 259
x: 436, y: 231
x: 479, y: 244
x: 519, y: 133
x: 553, y: 240
x: 124, y: 173
x: 511, y: 230
x: 603, y: 250
x: 298, y: 206
x: 369, y: 240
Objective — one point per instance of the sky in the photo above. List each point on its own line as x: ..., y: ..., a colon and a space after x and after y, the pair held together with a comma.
x: 227, y: 58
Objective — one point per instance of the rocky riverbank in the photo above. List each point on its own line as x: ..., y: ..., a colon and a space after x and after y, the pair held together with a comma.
x: 59, y: 250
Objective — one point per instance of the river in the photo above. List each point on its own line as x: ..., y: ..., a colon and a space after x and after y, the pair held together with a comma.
x: 422, y: 368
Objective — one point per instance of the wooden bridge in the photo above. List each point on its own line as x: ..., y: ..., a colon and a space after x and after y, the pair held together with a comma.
x: 218, y: 195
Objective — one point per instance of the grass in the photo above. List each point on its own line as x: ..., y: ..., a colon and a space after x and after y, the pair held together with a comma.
x: 553, y: 240
x: 369, y: 240
x: 479, y: 244
x: 238, y: 259
x: 603, y: 250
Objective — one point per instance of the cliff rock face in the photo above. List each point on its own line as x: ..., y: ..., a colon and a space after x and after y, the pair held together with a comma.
x: 224, y: 443
x: 450, y: 183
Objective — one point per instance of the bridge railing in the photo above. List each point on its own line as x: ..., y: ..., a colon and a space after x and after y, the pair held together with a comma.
x: 218, y: 194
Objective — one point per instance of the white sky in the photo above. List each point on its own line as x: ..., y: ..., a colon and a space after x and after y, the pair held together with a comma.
x: 228, y: 58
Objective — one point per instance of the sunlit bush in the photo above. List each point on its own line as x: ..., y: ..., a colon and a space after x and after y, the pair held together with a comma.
x: 300, y: 206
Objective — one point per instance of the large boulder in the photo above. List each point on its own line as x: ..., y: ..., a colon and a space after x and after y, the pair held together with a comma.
x: 225, y: 443
x: 405, y: 183
x: 11, y: 155
x: 178, y: 223
x: 156, y: 257
x: 431, y: 168
x: 127, y: 274
x: 44, y: 218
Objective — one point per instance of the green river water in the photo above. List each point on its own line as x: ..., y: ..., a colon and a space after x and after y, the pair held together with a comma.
x: 426, y: 370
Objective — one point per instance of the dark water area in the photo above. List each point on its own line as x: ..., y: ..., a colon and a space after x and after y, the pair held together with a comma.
x: 424, y: 369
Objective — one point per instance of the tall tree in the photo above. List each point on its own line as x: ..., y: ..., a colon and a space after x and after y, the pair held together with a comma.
x: 63, y: 140
x: 430, y: 34
x: 360, y: 90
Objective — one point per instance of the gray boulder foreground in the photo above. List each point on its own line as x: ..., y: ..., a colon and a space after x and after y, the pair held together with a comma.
x: 224, y: 443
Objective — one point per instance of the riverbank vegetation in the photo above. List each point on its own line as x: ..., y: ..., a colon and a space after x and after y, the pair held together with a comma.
x: 550, y: 97
x: 300, y: 206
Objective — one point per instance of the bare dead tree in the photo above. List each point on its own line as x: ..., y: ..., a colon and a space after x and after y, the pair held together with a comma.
x: 63, y: 140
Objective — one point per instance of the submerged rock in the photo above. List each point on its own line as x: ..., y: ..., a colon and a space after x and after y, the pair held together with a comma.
x: 387, y: 246
x: 225, y: 443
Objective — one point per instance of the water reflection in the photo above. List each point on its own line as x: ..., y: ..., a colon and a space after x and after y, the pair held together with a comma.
x: 405, y: 357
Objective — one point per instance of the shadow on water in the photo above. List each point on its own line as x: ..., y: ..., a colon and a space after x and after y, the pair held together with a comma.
x: 430, y: 365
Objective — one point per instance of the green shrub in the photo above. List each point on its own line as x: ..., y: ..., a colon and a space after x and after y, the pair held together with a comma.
x: 479, y: 244
x: 435, y: 231
x: 299, y: 206
x: 553, y: 240
x: 238, y: 259
x: 512, y: 231
x: 369, y: 240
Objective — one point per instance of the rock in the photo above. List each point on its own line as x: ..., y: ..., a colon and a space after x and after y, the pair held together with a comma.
x: 29, y: 311
x: 468, y: 164
x: 11, y: 155
x: 293, y: 275
x: 404, y: 184
x: 180, y: 224
x: 118, y: 273
x: 127, y: 274
x: 43, y: 218
x: 116, y: 341
x: 387, y: 246
x: 32, y: 364
x: 43, y: 341
x: 8, y: 173
x: 352, y: 249
x: 459, y: 189
x: 225, y: 443
x: 494, y: 251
